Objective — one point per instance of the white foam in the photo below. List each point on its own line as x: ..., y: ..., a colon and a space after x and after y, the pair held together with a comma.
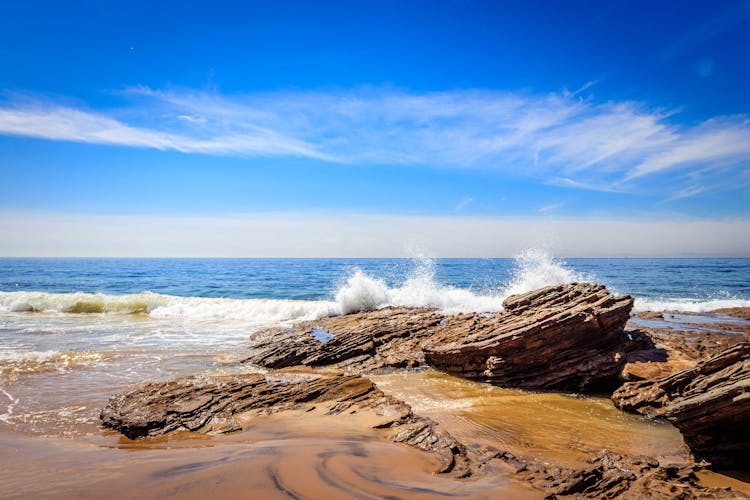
x: 15, y: 362
x: 6, y: 417
x: 687, y: 305
x: 80, y: 302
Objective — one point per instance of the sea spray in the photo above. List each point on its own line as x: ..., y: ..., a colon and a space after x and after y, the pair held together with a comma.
x: 535, y: 269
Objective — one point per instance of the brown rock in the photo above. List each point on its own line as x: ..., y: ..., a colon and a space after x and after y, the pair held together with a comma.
x: 224, y: 404
x: 737, y: 312
x: 385, y: 338
x: 709, y: 404
x: 614, y: 476
x: 213, y: 405
x: 567, y: 337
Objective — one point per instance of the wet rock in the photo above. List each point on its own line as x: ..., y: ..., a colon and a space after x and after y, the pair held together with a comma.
x: 615, y: 476
x: 675, y: 350
x: 709, y: 404
x: 737, y: 312
x: 385, y: 338
x: 213, y: 405
x: 567, y: 337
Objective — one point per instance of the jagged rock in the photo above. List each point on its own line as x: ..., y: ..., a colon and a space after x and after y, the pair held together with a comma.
x: 212, y: 405
x: 709, y: 404
x: 389, y: 337
x: 610, y: 475
x: 566, y: 337
x: 675, y: 350
x: 737, y: 312
x: 223, y: 404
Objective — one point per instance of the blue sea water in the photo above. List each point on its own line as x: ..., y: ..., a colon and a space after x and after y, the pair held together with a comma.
x: 316, y: 279
x: 692, y: 281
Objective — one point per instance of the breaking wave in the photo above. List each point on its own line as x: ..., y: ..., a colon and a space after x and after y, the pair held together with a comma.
x: 533, y: 269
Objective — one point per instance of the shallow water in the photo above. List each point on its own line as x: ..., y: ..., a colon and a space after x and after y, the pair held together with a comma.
x: 703, y: 322
x: 564, y: 429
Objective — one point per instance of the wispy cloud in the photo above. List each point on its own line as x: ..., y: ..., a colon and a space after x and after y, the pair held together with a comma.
x: 68, y: 124
x: 561, y: 138
x: 550, y: 209
x: 464, y: 203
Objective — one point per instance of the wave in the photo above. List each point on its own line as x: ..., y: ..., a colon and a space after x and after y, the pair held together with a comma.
x: 163, y: 306
x: 533, y: 269
x: 14, y: 363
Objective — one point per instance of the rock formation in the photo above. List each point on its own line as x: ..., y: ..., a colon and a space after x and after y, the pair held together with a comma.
x: 566, y: 337
x: 223, y: 404
x: 610, y: 475
x: 709, y: 404
x: 384, y: 338
x: 213, y: 405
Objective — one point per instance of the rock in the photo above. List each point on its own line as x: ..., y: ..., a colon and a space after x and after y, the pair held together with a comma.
x: 674, y: 351
x: 385, y: 338
x: 566, y: 337
x: 737, y: 312
x: 709, y: 404
x: 213, y: 405
x: 224, y: 404
x: 614, y: 476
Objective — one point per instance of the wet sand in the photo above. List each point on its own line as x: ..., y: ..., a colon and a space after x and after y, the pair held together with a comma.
x: 289, y: 456
x: 310, y: 455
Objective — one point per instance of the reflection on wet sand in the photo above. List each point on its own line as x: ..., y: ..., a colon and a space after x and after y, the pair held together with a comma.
x: 274, y: 459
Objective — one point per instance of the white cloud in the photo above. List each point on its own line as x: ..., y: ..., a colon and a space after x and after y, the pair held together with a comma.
x: 67, y: 124
x: 576, y: 142
x: 337, y: 235
x: 550, y: 209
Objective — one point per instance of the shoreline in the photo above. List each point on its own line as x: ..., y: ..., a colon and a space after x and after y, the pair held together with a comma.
x: 691, y: 345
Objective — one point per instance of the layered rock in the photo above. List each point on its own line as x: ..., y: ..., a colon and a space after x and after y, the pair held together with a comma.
x: 567, y: 337
x: 385, y: 338
x: 225, y: 404
x: 610, y: 475
x: 709, y: 404
x: 221, y: 404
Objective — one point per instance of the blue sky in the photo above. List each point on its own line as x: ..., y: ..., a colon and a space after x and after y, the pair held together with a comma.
x: 458, y: 110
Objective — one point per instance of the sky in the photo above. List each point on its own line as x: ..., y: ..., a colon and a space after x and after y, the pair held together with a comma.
x: 464, y: 128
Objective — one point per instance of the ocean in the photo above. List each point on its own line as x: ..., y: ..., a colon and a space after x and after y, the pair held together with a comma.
x: 74, y: 331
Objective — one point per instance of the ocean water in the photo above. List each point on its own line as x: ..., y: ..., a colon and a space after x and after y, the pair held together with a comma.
x: 74, y: 331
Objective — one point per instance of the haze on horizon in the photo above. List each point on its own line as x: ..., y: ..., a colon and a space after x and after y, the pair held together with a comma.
x: 453, y: 128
